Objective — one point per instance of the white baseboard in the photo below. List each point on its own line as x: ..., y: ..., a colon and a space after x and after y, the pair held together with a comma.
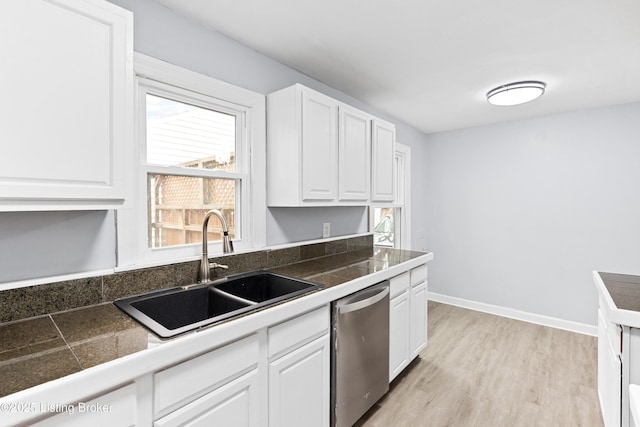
x: 511, y: 313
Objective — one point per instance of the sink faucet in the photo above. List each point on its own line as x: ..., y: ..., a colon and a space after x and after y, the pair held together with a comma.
x: 227, y: 245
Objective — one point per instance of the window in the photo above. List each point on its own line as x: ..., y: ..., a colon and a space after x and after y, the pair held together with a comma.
x: 205, y: 140
x: 201, y: 146
x: 384, y: 231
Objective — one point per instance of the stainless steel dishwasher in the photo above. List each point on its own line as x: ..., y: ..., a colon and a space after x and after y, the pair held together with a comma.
x: 360, y: 356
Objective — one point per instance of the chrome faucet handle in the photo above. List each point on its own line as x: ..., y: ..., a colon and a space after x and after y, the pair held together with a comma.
x: 216, y: 265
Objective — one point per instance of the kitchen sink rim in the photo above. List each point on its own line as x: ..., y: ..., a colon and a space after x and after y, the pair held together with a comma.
x: 126, y: 304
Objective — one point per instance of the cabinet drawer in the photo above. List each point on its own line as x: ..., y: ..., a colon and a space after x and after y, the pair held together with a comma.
x: 418, y: 275
x: 399, y: 284
x: 234, y: 404
x: 296, y: 331
x: 180, y: 384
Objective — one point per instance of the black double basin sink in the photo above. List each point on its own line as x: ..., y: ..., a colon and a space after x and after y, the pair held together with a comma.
x: 174, y: 311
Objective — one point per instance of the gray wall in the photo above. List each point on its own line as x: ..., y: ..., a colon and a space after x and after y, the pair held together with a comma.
x: 521, y: 213
x: 34, y: 244
x: 285, y: 225
x: 160, y: 33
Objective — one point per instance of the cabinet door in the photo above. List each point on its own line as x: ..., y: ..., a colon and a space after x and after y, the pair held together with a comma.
x: 299, y: 386
x: 235, y: 404
x: 383, y: 149
x: 354, y: 154
x: 117, y: 408
x: 319, y: 147
x: 66, y: 114
x: 609, y: 376
x: 398, y: 334
x: 418, y: 324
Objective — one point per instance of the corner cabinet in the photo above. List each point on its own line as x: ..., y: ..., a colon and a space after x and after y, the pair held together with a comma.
x: 407, y: 318
x: 66, y: 115
x: 319, y: 151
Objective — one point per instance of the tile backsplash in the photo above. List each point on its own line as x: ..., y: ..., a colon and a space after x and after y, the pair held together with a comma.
x: 31, y: 301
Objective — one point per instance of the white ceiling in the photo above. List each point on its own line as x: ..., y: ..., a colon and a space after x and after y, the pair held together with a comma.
x: 431, y: 62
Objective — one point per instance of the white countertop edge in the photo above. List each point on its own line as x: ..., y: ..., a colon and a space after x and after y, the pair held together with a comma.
x: 88, y: 383
x: 615, y: 314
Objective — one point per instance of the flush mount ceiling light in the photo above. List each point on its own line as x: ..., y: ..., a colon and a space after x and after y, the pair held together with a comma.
x: 515, y: 93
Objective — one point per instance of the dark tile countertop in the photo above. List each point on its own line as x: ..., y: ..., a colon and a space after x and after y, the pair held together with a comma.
x: 624, y: 290
x: 40, y: 349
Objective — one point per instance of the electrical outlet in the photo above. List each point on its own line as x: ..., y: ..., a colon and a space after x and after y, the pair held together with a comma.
x: 326, y: 229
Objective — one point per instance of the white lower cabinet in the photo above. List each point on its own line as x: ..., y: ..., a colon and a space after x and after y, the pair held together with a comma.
x: 299, y: 371
x: 609, y: 373
x: 299, y: 386
x: 634, y: 403
x: 398, y: 333
x: 407, y: 318
x: 235, y: 385
x: 175, y: 388
x: 234, y: 404
x: 418, y: 319
x: 618, y: 368
x: 117, y: 408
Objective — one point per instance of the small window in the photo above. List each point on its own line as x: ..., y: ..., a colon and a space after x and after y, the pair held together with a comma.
x: 385, y: 231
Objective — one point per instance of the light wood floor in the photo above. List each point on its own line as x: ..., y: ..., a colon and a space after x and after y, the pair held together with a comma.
x: 484, y: 370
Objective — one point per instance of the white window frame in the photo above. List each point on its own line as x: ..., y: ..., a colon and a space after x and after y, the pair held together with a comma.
x: 403, y: 189
x: 161, y: 78
x: 402, y: 202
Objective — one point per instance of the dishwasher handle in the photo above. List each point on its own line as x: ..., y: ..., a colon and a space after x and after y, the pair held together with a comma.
x: 358, y: 303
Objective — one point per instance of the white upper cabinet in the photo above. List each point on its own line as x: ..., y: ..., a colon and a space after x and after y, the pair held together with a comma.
x: 319, y: 147
x: 354, y: 154
x: 319, y: 150
x: 66, y: 114
x: 383, y: 158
